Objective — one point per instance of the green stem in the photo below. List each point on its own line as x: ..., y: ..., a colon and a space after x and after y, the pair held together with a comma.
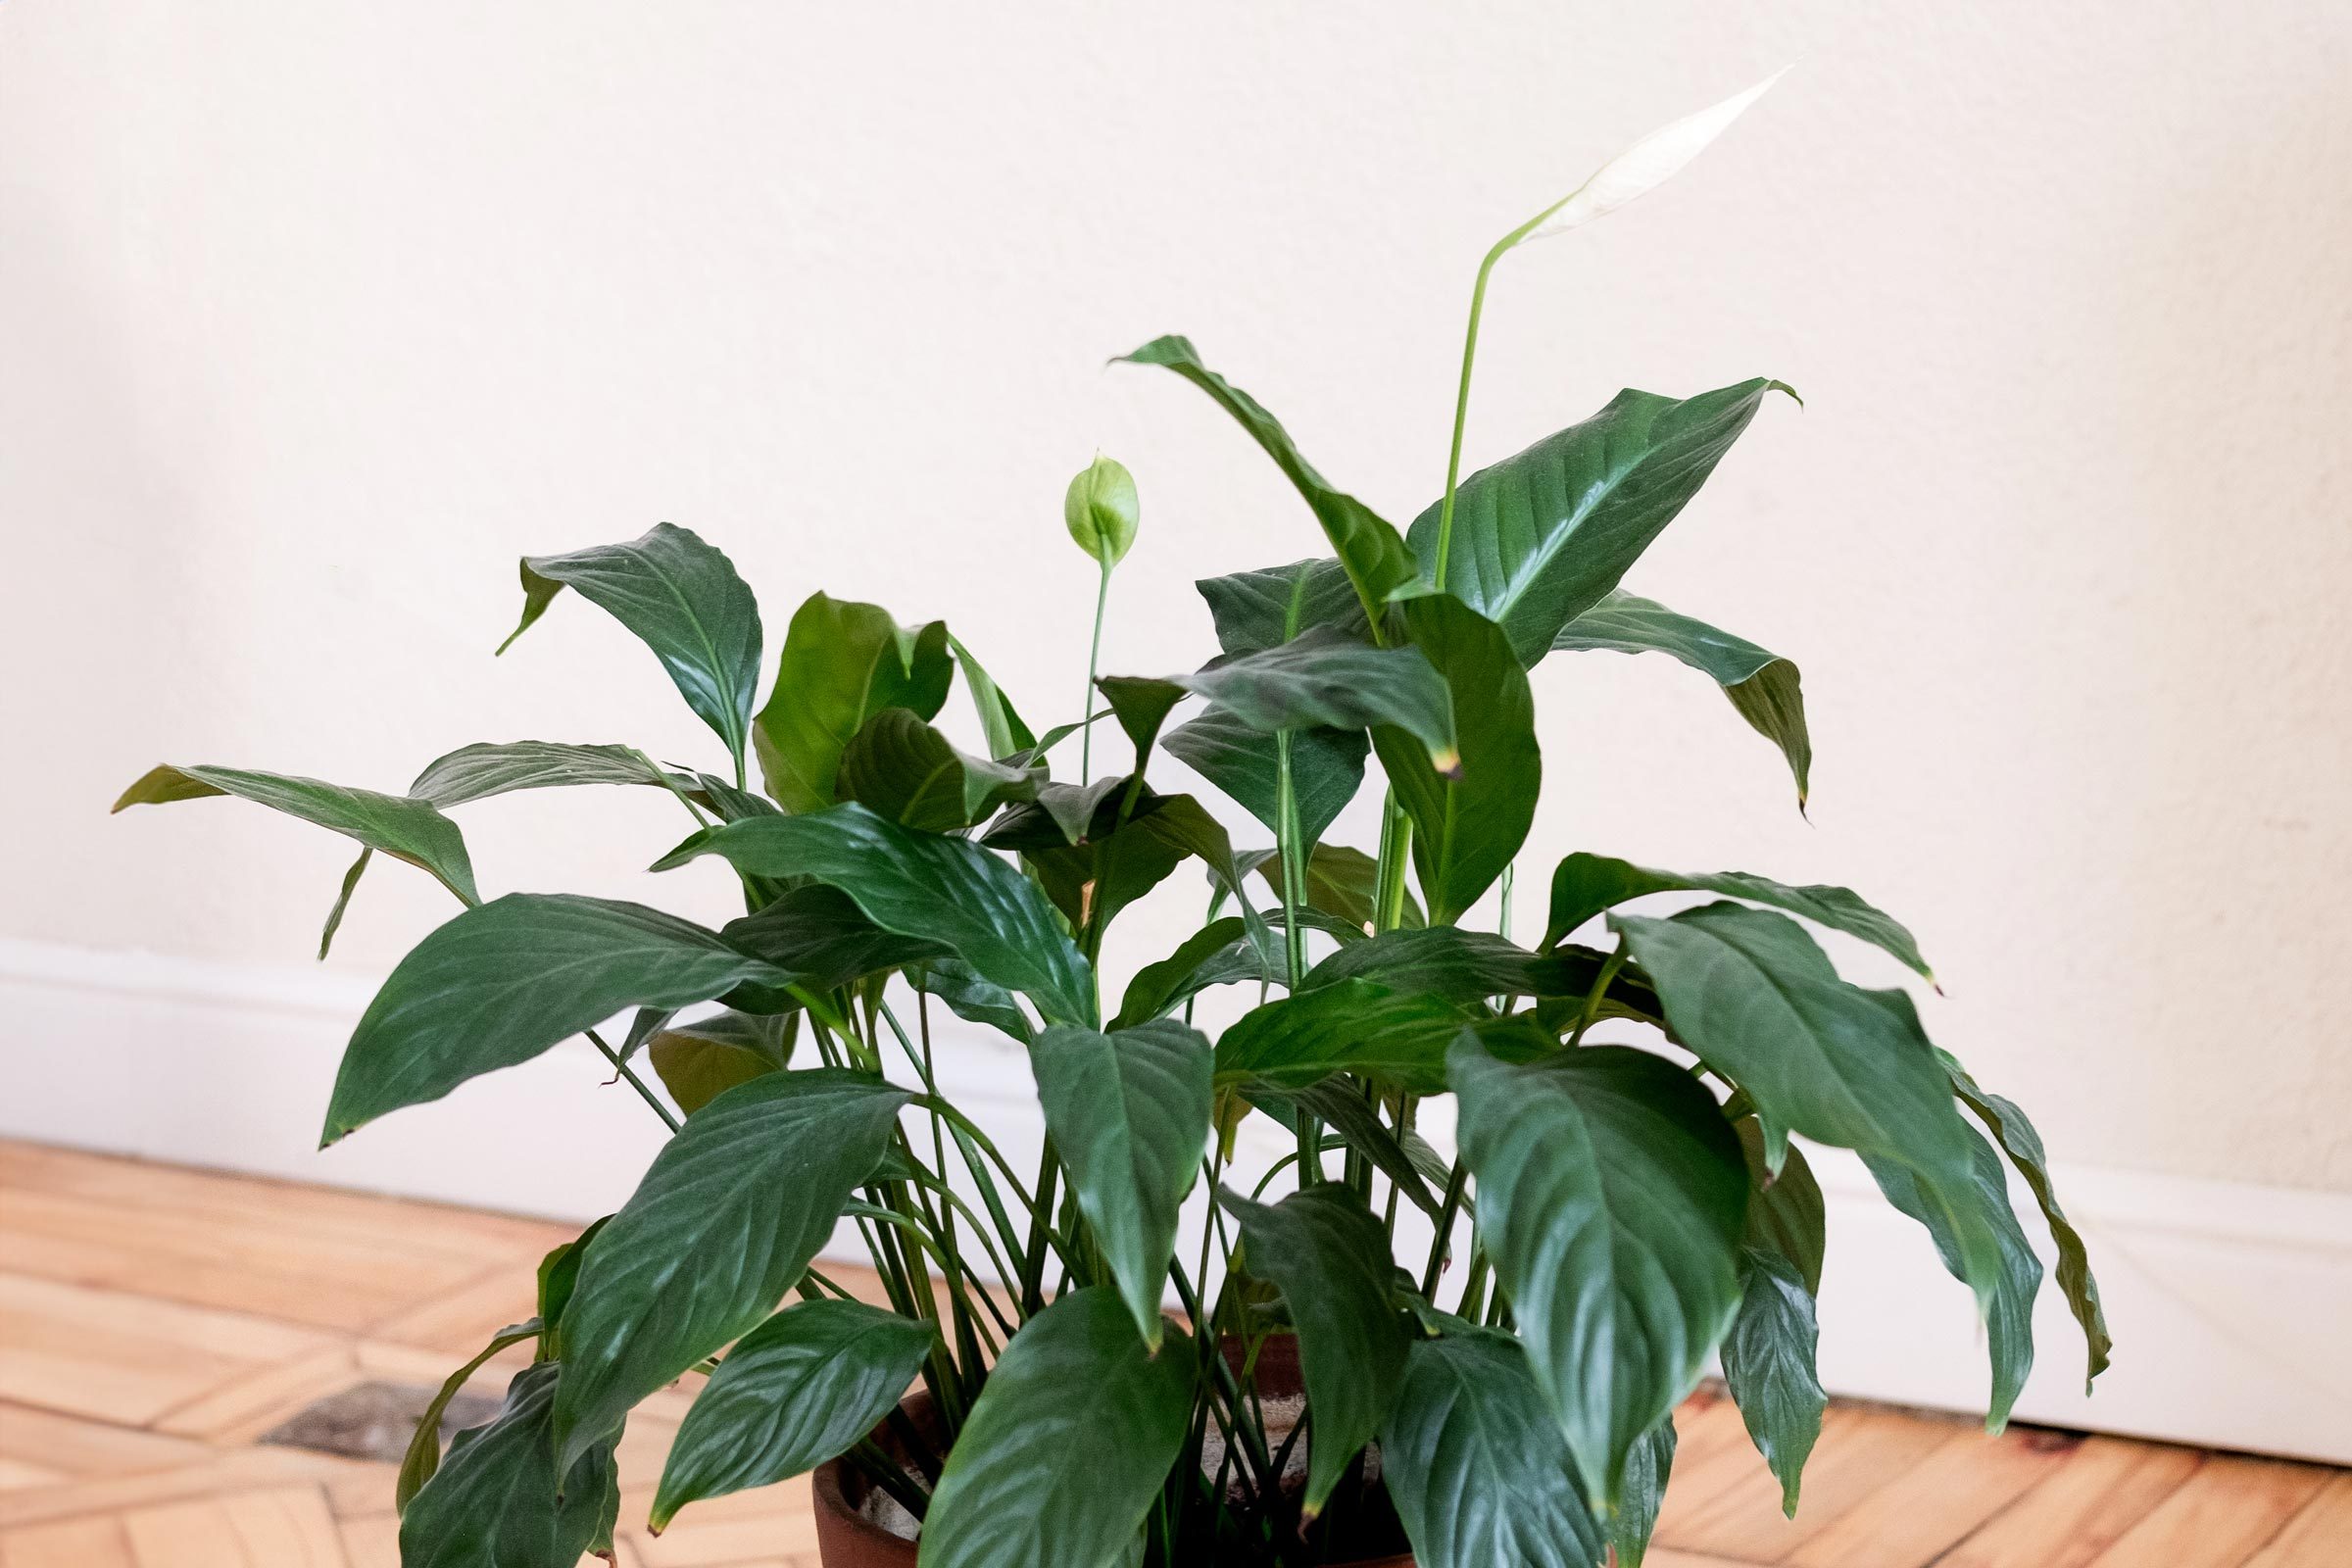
x: 1094, y: 660
x: 634, y: 1082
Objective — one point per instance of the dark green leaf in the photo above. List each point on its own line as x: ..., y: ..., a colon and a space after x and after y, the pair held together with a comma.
x: 405, y: 829
x: 558, y: 1277
x: 1340, y: 1105
x: 843, y: 662
x: 941, y: 890
x: 701, y: 1060
x: 1611, y: 1193
x: 500, y: 1500
x: 1327, y: 768
x: 1476, y: 1464
x: 502, y: 983
x: 967, y: 996
x: 1218, y: 954
x: 1329, y: 1256
x: 1142, y: 707
x: 2023, y: 1145
x: 999, y: 722
x: 683, y: 600
x: 1348, y: 1026
x: 1541, y: 537
x: 477, y: 772
x: 1764, y: 687
x: 795, y: 1391
x: 724, y: 1222
x: 726, y: 802
x: 821, y: 936
x: 1257, y: 610
x: 1067, y: 1446
x: 1461, y: 966
x: 909, y: 772
x: 1370, y: 550
x: 1768, y: 1365
x: 1785, y: 1213
x: 424, y: 1455
x: 1585, y: 885
x: 1325, y: 678
x: 1468, y: 822
x: 1130, y: 1113
x: 1340, y: 882
x: 1646, y: 1473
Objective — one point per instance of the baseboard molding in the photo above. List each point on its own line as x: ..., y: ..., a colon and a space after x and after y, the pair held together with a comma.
x: 2227, y: 1300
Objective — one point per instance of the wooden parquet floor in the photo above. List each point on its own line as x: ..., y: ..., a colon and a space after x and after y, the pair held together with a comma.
x: 156, y: 1321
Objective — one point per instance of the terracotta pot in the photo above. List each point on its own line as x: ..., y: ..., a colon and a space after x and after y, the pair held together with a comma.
x: 846, y: 1538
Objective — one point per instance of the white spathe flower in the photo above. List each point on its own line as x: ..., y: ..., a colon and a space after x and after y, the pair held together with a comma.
x: 1647, y: 164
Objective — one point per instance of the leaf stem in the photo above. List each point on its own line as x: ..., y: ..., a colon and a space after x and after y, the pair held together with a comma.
x: 634, y: 1082
x: 1094, y: 661
x: 1461, y: 401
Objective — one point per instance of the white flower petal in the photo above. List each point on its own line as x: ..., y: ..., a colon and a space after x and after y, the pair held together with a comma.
x: 1649, y: 163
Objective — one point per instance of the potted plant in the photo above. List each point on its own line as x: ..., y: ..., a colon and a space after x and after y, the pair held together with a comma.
x: 1616, y: 1216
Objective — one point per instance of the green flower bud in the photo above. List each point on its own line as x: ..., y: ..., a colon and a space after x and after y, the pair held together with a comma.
x: 1101, y: 511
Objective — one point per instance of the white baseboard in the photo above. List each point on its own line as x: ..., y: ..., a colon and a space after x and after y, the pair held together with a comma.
x: 2227, y: 1302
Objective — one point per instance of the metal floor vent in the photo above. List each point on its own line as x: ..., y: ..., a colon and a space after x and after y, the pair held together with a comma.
x: 376, y: 1420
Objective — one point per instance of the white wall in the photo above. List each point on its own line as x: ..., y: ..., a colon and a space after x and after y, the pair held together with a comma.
x: 313, y: 318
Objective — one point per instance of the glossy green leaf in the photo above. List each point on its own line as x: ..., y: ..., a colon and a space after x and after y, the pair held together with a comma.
x: 1340, y: 882
x: 502, y: 983
x: 942, y: 890
x: 477, y: 772
x: 1764, y: 687
x: 683, y: 600
x: 1141, y: 705
x: 1542, y: 536
x: 791, y: 1393
x: 1786, y: 1213
x: 394, y: 824
x: 1253, y: 611
x: 1323, y: 678
x: 1461, y: 966
x: 843, y: 662
x: 1752, y: 995
x: 969, y: 997
x: 2009, y: 1316
x: 424, y: 1455
x: 1647, y: 1470
x: 1611, y: 1194
x: 1768, y: 1364
x: 500, y: 1500
x: 1348, y: 1026
x: 1586, y: 885
x: 2020, y: 1140
x: 907, y: 772
x: 724, y: 1222
x: 1218, y: 954
x: 1374, y: 555
x: 1340, y: 1105
x: 999, y: 722
x: 1067, y: 1446
x: 1468, y: 822
x: 701, y: 1060
x: 1479, y: 1473
x: 558, y: 1277
x: 1329, y: 1256
x: 1130, y: 1113
x: 1327, y: 768
x: 823, y: 938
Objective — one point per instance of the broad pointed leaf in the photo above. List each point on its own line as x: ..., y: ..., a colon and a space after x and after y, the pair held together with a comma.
x: 502, y: 983
x: 1069, y: 1445
x: 907, y: 772
x: 1586, y: 885
x: 1348, y: 1026
x: 1768, y: 1363
x: 478, y: 771
x: 822, y: 937
x: 683, y: 600
x: 791, y: 1393
x: 1764, y: 687
x: 1785, y: 1212
x: 1327, y: 768
x: 701, y: 1060
x: 1369, y: 549
x: 843, y: 662
x: 394, y: 824
x: 1479, y: 1473
x: 1340, y: 1105
x: 970, y: 996
x: 1463, y: 966
x: 1469, y: 821
x: 502, y: 1500
x: 1130, y: 1113
x: 1647, y: 1471
x: 424, y: 1455
x: 1329, y: 1256
x: 725, y: 1220
x: 1218, y: 954
x: 1255, y: 611
x: 1541, y: 537
x: 1611, y: 1194
x: 1325, y: 678
x: 941, y: 890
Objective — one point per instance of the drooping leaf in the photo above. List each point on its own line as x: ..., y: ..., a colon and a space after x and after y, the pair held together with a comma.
x: 822, y: 937
x: 909, y: 772
x: 725, y: 1220
x: 502, y: 983
x: 791, y: 1393
x: 1348, y: 1026
x: 1768, y: 1364
x: 1479, y: 1473
x: 971, y: 998
x: 1130, y: 1113
x: 393, y: 824
x: 424, y: 1455
x: 1141, y: 705
x: 942, y: 890
x: 1463, y: 966
x: 500, y: 1499
x: 1340, y: 882
x: 1647, y: 1470
x: 1586, y: 885
x: 478, y: 771
x: 1255, y: 611
x: 1340, y: 1105
x: 1369, y: 549
x: 1328, y: 1256
x: 558, y: 1277
x: 1611, y: 1195
x: 999, y: 722
x: 701, y: 1060
x: 1327, y: 768
x: 1786, y: 1213
x: 1764, y: 687
x: 1218, y: 954
x: 2023, y: 1145
x: 1468, y: 822
x: 1541, y: 537
x: 1752, y: 995
x: 2009, y: 1317
x: 1067, y: 1446
x: 334, y: 915
x: 1327, y: 679
x: 683, y: 600
x: 843, y: 662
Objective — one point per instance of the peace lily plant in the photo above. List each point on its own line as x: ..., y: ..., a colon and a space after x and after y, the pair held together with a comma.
x: 1618, y: 1216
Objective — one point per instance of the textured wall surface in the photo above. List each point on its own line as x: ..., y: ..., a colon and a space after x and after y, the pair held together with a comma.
x: 313, y: 318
